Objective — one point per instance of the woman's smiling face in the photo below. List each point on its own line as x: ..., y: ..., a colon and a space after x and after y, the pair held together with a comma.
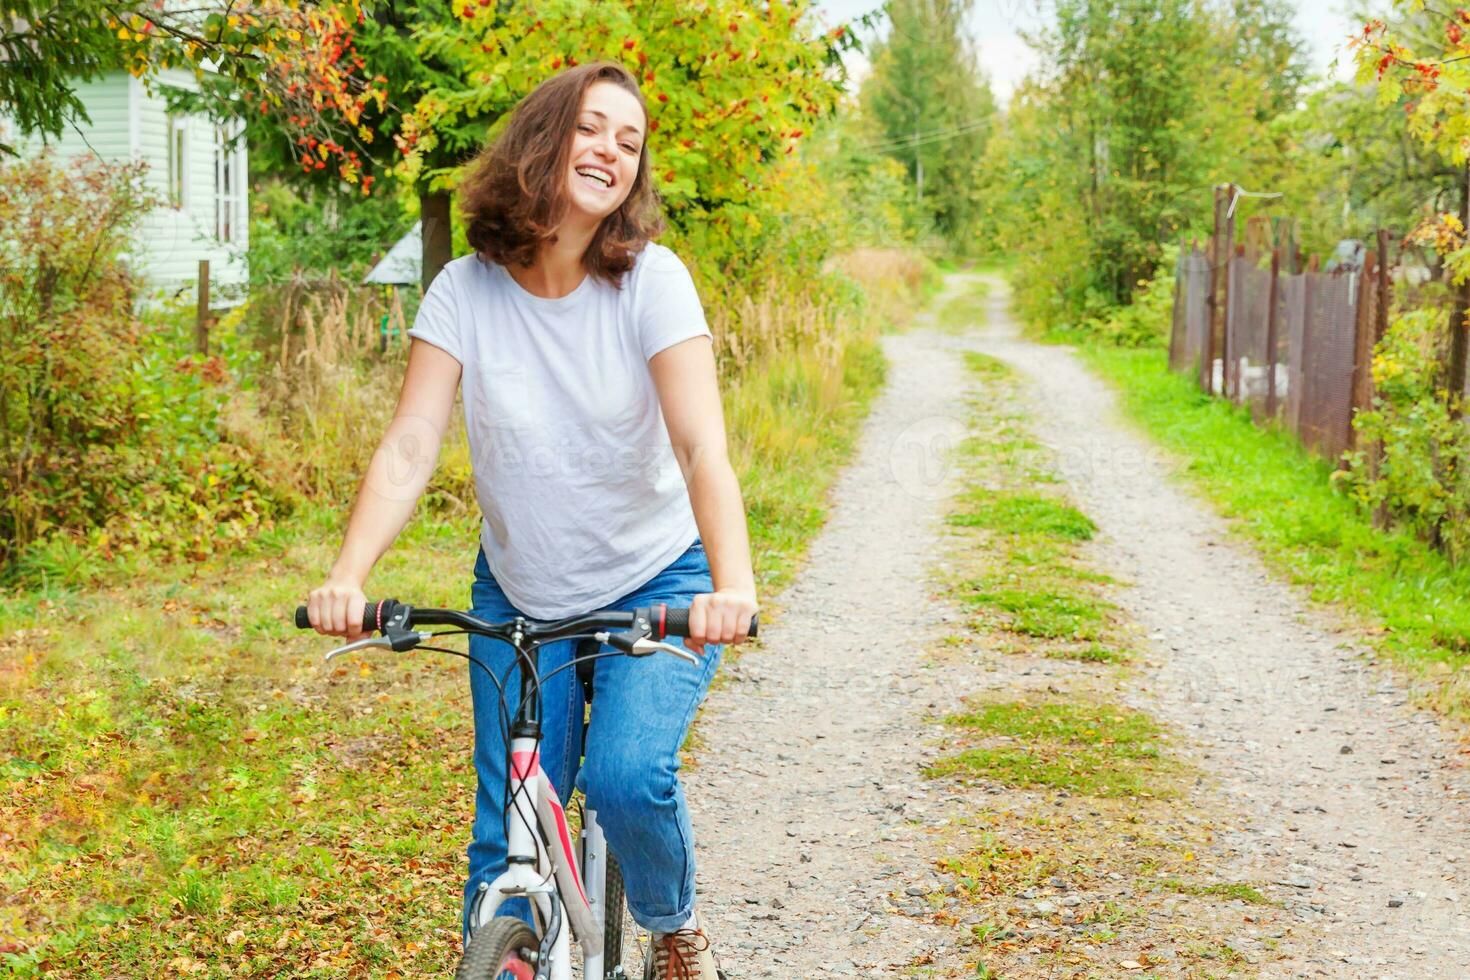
x: 606, y: 148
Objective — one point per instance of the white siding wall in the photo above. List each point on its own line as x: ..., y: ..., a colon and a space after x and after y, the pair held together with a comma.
x: 176, y: 239
x: 127, y: 122
x: 107, y: 135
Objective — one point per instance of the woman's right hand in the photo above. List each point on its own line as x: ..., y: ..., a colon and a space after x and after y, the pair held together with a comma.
x: 336, y: 608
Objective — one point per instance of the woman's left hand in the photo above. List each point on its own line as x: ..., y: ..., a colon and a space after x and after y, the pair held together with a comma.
x: 722, y: 616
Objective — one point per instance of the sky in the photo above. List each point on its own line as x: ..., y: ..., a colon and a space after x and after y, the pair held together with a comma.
x: 995, y: 27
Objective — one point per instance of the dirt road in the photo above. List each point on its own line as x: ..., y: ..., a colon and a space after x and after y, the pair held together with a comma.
x: 814, y: 821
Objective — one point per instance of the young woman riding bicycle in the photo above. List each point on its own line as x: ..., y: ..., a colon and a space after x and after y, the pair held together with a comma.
x: 595, y: 426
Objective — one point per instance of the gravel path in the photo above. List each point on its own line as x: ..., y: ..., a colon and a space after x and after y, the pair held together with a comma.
x: 1356, y: 805
x: 806, y: 793
x: 812, y: 817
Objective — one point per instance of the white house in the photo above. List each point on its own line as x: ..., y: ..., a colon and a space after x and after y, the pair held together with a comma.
x: 192, y: 169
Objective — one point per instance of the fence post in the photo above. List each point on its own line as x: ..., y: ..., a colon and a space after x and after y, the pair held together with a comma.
x: 201, y: 314
x: 1233, y: 285
x: 1271, y: 326
x: 1310, y: 285
x: 1380, y: 327
x: 1179, y: 314
x: 1207, y: 362
x: 1213, y: 300
x: 1361, y: 396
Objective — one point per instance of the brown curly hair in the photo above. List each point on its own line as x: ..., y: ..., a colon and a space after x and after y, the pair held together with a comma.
x: 515, y: 194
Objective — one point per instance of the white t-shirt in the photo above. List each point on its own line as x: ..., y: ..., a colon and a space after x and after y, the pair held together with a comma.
x: 582, y: 496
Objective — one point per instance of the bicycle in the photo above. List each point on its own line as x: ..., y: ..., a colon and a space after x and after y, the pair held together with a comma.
x: 580, y: 887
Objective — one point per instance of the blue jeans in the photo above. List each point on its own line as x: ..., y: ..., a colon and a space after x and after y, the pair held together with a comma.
x: 640, y: 715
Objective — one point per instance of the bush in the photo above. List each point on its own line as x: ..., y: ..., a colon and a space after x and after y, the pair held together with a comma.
x: 1145, y: 321
x: 112, y: 432
x: 1423, y: 474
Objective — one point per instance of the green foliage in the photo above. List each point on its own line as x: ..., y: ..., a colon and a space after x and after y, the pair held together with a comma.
x: 1346, y: 165
x: 1144, y: 322
x: 733, y: 88
x: 932, y: 110
x: 1111, y: 151
x: 295, y: 228
x: 1423, y: 475
x: 111, y: 438
x: 1420, y: 53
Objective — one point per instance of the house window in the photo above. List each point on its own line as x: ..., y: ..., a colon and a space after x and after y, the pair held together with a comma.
x: 227, y: 187
x: 178, y: 160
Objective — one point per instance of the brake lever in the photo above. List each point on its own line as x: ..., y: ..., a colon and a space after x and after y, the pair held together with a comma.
x: 642, y: 646
x: 646, y: 646
x: 397, y: 640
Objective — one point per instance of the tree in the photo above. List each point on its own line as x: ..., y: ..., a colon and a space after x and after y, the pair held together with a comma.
x: 388, y: 41
x: 288, y: 58
x: 1111, y: 149
x: 732, y: 87
x: 932, y: 108
x: 1425, y: 56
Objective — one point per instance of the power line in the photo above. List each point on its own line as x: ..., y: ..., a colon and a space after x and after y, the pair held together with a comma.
x: 932, y: 136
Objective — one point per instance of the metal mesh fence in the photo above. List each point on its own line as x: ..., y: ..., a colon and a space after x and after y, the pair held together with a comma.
x: 1248, y: 324
x: 1191, y: 312
x: 1286, y: 344
x: 1325, y: 415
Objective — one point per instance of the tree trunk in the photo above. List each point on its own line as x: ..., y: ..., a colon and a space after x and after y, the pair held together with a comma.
x: 1456, y: 380
x: 434, y: 219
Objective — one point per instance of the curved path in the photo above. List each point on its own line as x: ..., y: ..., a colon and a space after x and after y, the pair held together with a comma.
x: 808, y: 801
x: 1356, y: 808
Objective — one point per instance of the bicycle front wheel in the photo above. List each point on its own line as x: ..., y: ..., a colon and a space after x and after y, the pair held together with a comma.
x: 499, y: 951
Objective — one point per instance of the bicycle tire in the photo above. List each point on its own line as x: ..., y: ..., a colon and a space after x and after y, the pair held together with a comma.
x: 613, y: 913
x: 495, y: 952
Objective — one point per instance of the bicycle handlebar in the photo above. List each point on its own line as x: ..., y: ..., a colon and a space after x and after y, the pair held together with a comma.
x: 661, y: 620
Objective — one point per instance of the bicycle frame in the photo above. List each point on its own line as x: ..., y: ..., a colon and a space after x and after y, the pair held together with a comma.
x: 533, y: 807
x: 548, y: 877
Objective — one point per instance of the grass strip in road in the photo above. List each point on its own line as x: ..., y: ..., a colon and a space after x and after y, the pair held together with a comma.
x: 1098, y: 749
x: 1035, y: 583
x: 1082, y: 847
x: 1415, y: 604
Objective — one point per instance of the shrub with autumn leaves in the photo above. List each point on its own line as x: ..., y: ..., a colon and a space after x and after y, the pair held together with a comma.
x: 111, y: 440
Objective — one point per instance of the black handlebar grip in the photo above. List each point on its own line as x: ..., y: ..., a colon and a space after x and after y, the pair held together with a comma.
x: 369, y: 617
x: 676, y: 622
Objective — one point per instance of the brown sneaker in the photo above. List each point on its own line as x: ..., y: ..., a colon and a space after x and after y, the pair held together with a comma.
x: 682, y: 955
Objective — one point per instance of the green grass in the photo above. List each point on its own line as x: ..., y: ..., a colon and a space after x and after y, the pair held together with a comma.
x: 1024, y: 512
x: 1042, y: 612
x: 1083, y: 747
x: 1032, y: 580
x: 1221, y: 889
x: 1415, y: 602
x: 185, y: 787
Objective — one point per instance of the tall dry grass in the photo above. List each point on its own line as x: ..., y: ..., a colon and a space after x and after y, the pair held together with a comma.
x: 331, y: 388
x: 799, y: 363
